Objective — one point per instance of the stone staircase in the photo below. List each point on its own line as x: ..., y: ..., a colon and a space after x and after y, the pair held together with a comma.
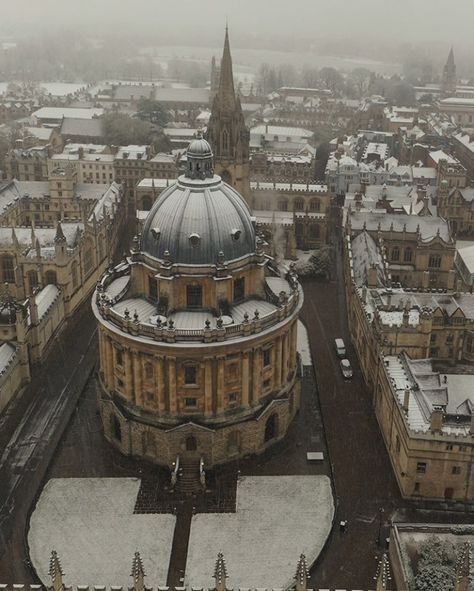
x: 188, y: 479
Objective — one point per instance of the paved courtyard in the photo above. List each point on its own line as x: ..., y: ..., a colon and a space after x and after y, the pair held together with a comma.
x: 91, y: 524
x: 277, y: 519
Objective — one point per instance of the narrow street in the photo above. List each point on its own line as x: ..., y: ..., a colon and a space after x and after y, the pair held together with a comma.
x: 30, y: 430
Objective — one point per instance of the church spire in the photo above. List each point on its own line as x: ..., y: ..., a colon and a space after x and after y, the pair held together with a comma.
x: 450, y: 61
x: 226, y: 91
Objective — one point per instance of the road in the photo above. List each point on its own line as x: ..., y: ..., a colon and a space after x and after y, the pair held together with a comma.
x: 30, y: 430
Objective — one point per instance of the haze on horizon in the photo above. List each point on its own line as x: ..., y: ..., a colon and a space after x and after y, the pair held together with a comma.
x: 406, y: 21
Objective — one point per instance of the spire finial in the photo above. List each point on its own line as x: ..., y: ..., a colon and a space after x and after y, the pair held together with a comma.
x: 138, y: 573
x: 220, y: 573
x: 301, y: 576
x: 59, y: 234
x: 55, y: 571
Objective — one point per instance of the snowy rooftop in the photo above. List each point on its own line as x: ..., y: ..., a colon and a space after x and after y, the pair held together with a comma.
x: 107, y: 202
x: 281, y: 131
x: 45, y: 299
x: 301, y: 187
x: 45, y: 236
x: 429, y: 226
x: 59, y: 112
x: 365, y: 254
x: 429, y: 390
x: 7, y: 355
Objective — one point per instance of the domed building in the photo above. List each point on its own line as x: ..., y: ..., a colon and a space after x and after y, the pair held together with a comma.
x: 197, y: 331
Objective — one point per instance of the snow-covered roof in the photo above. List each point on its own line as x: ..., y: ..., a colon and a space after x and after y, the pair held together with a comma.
x: 45, y: 299
x: 59, y: 112
x: 366, y: 254
x: 7, y: 355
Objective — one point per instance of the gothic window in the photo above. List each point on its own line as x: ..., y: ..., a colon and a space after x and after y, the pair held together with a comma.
x: 315, y: 205
x: 32, y: 280
x: 283, y: 205
x: 8, y: 269
x: 225, y: 140
x: 194, y: 296
x: 395, y: 254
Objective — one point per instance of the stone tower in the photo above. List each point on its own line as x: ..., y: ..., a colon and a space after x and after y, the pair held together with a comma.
x: 227, y: 132
x: 449, y: 76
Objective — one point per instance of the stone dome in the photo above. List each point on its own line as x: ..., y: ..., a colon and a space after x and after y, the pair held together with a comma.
x: 200, y: 148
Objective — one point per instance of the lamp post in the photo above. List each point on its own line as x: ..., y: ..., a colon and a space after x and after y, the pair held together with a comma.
x: 379, y: 541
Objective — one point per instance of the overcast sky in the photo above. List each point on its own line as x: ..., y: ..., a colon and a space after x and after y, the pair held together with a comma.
x: 406, y: 20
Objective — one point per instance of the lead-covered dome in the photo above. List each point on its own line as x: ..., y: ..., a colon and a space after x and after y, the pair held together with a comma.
x: 199, y: 217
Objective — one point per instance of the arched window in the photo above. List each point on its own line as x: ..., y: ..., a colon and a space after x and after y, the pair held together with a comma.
x: 314, y: 231
x: 299, y: 205
x: 271, y: 428
x: 283, y: 205
x: 408, y: 255
x: 7, y: 268
x: 395, y: 254
x: 191, y: 443
x: 225, y: 140
x: 315, y: 205
x: 32, y: 280
x: 50, y: 278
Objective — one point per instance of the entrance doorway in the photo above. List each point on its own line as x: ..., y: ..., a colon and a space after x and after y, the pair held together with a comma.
x: 191, y: 443
x: 271, y: 428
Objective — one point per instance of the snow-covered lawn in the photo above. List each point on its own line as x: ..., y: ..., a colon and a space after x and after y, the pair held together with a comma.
x: 91, y: 525
x: 303, y: 344
x: 277, y: 519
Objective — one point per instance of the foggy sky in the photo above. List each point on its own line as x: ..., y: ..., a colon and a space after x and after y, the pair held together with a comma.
x: 403, y: 20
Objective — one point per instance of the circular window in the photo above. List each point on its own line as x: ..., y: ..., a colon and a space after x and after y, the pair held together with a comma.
x: 194, y: 239
x: 236, y: 233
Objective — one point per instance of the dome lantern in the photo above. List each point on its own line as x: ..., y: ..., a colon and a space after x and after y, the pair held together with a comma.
x: 199, y: 159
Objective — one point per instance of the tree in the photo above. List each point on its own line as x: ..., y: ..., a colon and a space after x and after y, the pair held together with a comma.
x: 331, y: 79
x: 318, y: 264
x: 362, y: 78
x: 435, y: 566
x: 121, y: 129
x: 310, y: 77
x: 152, y: 111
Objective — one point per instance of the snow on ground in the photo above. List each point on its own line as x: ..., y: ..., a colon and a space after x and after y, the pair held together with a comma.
x: 303, y: 344
x: 277, y: 519
x: 91, y: 525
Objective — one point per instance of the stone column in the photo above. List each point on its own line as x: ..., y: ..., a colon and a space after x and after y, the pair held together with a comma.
x: 220, y: 384
x: 277, y: 363
x: 256, y: 385
x: 160, y: 384
x: 208, y: 410
x: 128, y: 373
x: 245, y: 377
x: 173, y: 401
x: 284, y: 368
x: 137, y: 378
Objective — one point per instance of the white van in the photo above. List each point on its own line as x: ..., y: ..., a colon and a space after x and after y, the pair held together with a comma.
x: 340, y: 347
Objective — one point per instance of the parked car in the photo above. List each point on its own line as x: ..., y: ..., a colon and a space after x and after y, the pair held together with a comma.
x: 346, y: 368
x: 340, y: 347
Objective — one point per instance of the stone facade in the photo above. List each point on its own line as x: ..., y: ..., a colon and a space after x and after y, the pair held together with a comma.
x: 198, y: 351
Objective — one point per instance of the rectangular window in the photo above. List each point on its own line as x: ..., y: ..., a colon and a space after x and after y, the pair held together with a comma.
x: 417, y: 487
x: 456, y: 470
x: 267, y: 384
x: 421, y: 468
x: 434, y: 261
x: 239, y: 289
x: 267, y: 357
x: 190, y: 374
x: 194, y: 296
x: 119, y: 357
x: 190, y: 402
x: 232, y: 397
x: 152, y: 288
